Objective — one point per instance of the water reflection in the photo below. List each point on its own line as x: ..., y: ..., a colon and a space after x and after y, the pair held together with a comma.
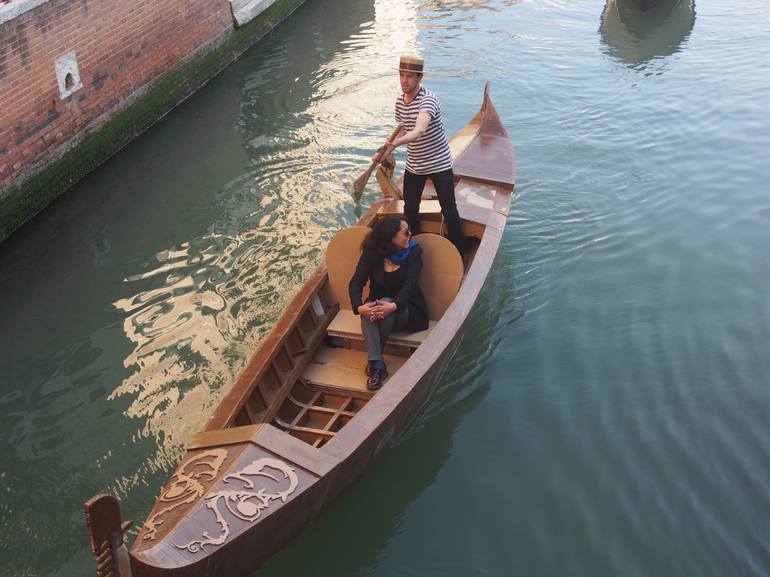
x: 608, y: 413
x: 194, y: 311
x: 636, y: 32
x: 466, y: 5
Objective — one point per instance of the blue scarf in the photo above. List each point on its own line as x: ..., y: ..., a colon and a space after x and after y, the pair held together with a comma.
x: 400, y: 256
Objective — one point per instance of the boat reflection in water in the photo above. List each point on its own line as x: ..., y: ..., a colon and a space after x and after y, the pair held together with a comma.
x: 638, y: 31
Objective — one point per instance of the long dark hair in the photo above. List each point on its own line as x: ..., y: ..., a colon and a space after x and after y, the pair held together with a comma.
x: 380, y: 238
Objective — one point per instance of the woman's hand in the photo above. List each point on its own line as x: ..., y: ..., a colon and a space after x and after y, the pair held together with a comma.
x: 371, y: 311
x: 366, y: 310
x: 377, y: 310
x: 384, y: 309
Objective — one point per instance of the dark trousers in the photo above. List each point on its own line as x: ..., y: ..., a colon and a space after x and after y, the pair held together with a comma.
x: 376, y: 333
x: 444, y: 184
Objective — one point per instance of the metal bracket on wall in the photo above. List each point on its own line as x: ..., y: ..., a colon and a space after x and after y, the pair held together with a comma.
x: 244, y: 11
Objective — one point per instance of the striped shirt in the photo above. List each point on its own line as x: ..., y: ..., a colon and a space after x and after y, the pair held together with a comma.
x: 429, y: 153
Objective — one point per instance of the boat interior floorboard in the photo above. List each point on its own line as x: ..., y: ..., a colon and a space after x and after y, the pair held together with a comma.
x: 342, y: 369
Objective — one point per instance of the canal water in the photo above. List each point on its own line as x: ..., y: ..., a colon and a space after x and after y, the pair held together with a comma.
x: 607, y: 411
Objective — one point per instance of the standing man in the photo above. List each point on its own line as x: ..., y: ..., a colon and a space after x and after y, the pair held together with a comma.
x: 427, y: 151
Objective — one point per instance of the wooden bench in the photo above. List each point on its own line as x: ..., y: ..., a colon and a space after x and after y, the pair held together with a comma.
x: 347, y: 325
x: 440, y: 280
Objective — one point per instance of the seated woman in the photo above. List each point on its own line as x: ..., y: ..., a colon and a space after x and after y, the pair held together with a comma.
x: 391, y: 262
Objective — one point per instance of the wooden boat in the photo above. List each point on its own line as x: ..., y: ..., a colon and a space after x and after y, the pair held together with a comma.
x: 299, y: 426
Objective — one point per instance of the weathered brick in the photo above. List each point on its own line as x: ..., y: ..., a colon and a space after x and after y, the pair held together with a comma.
x: 120, y: 47
x: 124, y: 50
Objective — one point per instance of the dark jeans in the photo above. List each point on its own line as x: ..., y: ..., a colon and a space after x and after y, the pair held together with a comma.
x: 444, y: 184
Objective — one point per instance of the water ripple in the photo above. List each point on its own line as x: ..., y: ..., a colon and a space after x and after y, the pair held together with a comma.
x: 605, y: 413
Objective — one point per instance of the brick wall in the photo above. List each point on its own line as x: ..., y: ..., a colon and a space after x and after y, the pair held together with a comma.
x: 121, y: 48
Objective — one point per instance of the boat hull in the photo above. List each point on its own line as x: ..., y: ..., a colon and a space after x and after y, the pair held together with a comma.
x: 250, y: 548
x: 252, y: 480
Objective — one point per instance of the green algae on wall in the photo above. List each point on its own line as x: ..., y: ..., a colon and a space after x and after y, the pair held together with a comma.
x: 21, y: 202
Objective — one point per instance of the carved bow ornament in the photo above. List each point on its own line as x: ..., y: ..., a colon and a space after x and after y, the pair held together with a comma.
x: 186, y: 486
x: 248, y: 502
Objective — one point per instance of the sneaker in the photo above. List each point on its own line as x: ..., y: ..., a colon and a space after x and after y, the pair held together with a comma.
x: 374, y: 382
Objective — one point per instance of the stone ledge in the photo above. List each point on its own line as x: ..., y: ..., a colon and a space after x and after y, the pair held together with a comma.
x: 18, y: 7
x: 244, y: 11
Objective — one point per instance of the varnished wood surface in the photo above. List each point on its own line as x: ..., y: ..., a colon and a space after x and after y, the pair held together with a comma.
x: 485, y: 165
x: 488, y: 155
x: 343, y: 369
x: 222, y: 437
x: 348, y: 325
x: 225, y: 413
x: 442, y: 272
x: 342, y: 254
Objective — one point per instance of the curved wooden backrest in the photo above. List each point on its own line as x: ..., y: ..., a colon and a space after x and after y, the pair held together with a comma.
x: 442, y: 268
x: 442, y: 272
x: 341, y: 258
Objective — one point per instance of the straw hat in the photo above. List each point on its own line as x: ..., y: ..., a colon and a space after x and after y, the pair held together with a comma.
x: 410, y: 64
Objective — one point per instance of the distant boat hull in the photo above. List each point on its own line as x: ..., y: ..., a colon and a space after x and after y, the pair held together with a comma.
x: 637, y: 31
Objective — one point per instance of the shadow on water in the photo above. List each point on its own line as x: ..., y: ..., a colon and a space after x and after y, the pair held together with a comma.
x: 638, y: 31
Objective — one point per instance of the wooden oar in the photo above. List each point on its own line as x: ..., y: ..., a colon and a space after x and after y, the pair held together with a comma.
x: 360, y: 183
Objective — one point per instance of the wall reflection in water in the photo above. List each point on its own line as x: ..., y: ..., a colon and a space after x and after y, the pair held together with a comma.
x: 639, y: 31
x: 311, y: 106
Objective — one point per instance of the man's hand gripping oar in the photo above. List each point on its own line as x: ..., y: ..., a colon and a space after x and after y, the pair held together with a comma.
x: 382, y: 151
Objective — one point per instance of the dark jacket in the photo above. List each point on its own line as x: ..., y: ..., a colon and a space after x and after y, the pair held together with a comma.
x: 403, y: 287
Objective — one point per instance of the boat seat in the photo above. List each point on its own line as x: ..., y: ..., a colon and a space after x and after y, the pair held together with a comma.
x: 341, y: 260
x: 440, y: 281
x: 442, y: 273
x: 347, y: 325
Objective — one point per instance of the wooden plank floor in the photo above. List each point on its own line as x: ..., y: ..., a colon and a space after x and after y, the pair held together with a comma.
x: 343, y: 369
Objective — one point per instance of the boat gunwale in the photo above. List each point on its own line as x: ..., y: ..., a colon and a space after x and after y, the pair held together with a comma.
x: 226, y: 412
x: 404, y: 382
